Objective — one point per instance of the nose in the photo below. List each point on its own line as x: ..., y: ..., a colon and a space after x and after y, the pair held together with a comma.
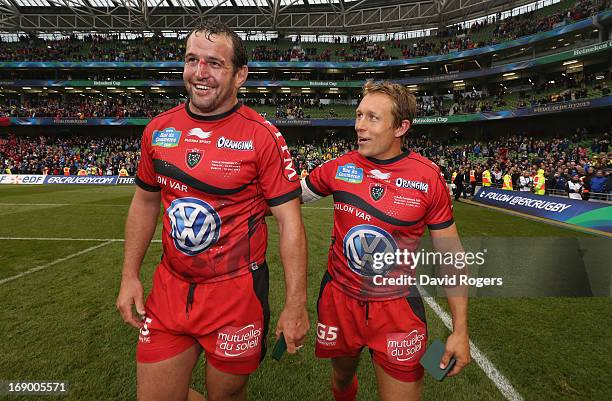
x: 359, y: 124
x: 202, y: 70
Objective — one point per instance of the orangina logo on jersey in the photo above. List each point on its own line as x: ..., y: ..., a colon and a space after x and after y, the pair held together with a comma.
x: 195, y: 225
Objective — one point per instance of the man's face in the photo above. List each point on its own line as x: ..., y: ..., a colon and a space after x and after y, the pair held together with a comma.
x: 209, y: 76
x: 376, y: 135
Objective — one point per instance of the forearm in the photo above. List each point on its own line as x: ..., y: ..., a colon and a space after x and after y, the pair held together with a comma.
x: 139, y: 229
x: 458, y: 306
x: 457, y: 296
x: 293, y: 253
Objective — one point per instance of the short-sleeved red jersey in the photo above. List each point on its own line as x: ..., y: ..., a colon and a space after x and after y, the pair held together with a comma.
x: 380, y: 206
x: 217, y: 174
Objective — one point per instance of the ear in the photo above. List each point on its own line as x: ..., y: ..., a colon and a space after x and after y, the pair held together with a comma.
x: 241, y: 76
x: 402, y: 129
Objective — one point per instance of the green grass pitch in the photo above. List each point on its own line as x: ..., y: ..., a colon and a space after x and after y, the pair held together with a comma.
x: 60, y: 323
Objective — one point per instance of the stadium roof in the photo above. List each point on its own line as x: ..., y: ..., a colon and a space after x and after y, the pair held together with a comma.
x: 286, y: 16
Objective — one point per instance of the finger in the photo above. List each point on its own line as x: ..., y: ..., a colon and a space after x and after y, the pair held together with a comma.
x: 133, y: 321
x: 445, y: 358
x: 278, y: 332
x: 291, y: 347
x: 128, y: 317
x: 126, y: 314
x: 456, y: 369
x: 139, y: 302
x: 299, y: 337
x: 291, y: 342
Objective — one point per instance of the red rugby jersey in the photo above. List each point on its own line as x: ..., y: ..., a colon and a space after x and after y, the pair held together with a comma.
x: 379, y: 206
x: 217, y: 176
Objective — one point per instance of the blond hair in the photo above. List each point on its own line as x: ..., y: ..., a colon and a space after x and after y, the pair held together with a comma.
x: 404, y: 102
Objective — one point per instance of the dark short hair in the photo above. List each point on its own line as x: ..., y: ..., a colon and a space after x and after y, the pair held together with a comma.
x: 214, y: 27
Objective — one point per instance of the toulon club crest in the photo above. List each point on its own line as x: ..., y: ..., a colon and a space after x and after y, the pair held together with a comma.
x: 377, y: 191
x: 193, y: 157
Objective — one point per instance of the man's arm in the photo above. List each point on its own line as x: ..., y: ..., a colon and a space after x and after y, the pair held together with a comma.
x: 139, y: 229
x: 309, y: 194
x: 458, y: 343
x: 293, y: 321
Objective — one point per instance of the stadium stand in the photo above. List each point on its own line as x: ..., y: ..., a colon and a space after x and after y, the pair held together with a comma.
x: 583, y: 153
x: 489, y: 98
x: 450, y: 39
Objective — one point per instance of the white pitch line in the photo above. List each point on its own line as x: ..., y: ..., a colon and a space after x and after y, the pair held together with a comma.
x: 39, y: 268
x: 67, y: 239
x: 500, y: 381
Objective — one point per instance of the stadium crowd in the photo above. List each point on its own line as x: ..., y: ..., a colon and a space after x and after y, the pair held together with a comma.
x: 584, y: 157
x: 83, y: 107
x: 159, y: 48
x: 564, y: 88
x: 524, y: 24
x: 81, y: 155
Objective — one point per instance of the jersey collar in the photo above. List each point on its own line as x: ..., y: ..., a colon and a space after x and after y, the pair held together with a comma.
x: 404, y: 154
x: 214, y: 117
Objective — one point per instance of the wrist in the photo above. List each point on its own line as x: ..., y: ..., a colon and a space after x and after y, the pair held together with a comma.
x: 130, y: 274
x: 460, y: 329
x: 295, y: 303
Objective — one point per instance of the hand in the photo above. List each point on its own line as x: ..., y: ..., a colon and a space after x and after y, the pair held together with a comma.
x: 294, y: 325
x: 131, y: 293
x: 457, y: 345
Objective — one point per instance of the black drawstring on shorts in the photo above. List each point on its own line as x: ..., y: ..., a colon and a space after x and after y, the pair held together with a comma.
x: 367, y: 310
x: 190, y: 294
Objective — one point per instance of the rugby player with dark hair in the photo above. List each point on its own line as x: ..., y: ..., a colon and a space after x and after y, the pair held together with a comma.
x: 216, y: 166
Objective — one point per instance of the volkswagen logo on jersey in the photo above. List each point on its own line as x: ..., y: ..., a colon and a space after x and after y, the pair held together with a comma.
x: 195, y: 225
x: 360, y: 245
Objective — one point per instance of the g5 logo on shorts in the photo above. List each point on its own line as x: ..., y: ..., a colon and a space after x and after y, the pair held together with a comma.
x: 195, y: 225
x: 326, y: 335
x: 361, y: 243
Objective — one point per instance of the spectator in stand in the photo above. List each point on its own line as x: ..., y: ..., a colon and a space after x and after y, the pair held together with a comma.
x: 599, y: 185
x: 525, y: 182
x: 574, y: 187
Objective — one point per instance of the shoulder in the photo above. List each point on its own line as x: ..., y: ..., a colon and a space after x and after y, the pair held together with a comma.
x: 423, y: 164
x: 257, y: 120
